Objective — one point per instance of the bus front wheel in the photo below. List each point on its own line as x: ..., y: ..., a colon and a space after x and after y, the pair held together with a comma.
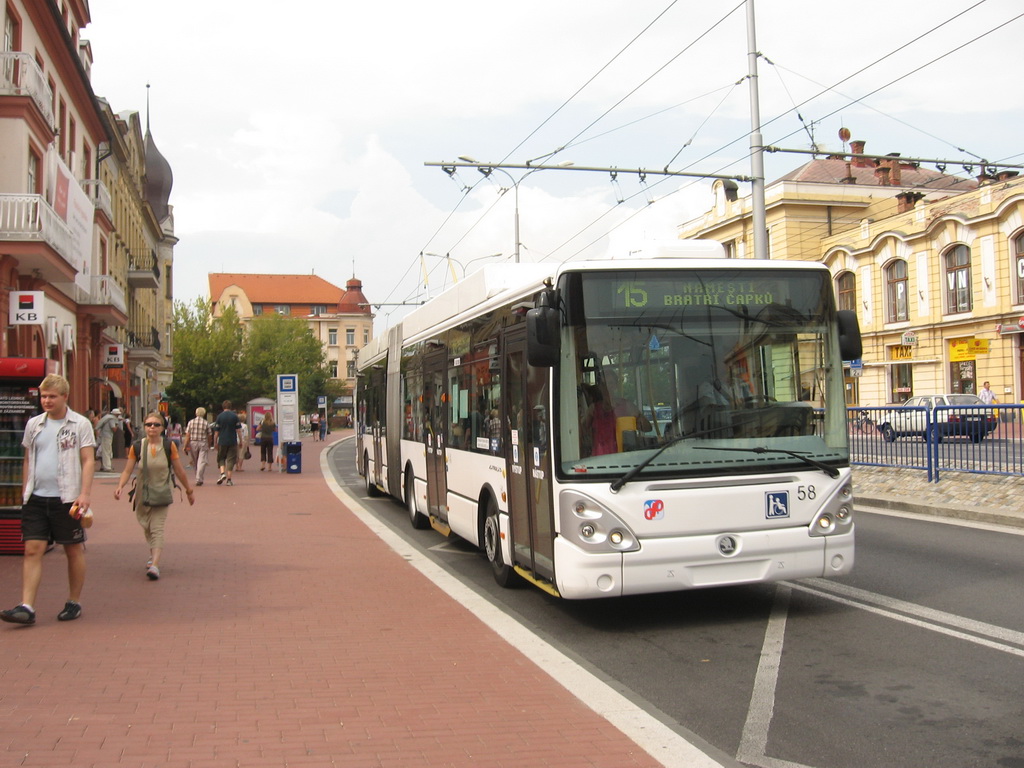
x: 504, y: 575
x: 418, y: 520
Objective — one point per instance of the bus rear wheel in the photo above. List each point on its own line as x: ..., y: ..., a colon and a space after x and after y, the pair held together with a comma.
x: 504, y: 574
x: 418, y: 520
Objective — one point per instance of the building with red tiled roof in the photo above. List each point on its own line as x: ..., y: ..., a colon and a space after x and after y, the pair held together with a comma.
x: 341, y: 318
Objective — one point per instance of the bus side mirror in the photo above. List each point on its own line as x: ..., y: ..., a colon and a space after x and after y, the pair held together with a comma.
x: 542, y: 346
x: 850, y: 346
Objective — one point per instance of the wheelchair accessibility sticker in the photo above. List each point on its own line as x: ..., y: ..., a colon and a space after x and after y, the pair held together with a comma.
x: 776, y: 504
x: 654, y: 509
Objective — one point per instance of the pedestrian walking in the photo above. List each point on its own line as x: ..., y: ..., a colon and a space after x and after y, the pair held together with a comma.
x: 106, y: 427
x: 175, y: 433
x: 126, y: 427
x: 154, y: 488
x: 243, y: 441
x: 225, y: 426
x: 197, y: 443
x: 267, y: 431
x: 314, y: 426
x: 987, y: 395
x: 323, y: 428
x: 58, y: 468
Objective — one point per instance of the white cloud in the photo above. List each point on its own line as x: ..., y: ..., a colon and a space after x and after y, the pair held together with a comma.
x: 297, y: 134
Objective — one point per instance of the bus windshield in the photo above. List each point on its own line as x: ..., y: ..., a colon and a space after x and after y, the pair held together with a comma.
x: 725, y: 370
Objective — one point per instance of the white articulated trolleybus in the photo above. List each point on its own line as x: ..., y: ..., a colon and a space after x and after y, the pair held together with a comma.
x: 664, y: 422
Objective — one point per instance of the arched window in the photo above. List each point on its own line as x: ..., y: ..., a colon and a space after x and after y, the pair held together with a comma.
x: 846, y: 291
x: 959, y: 296
x: 1017, y: 251
x: 896, y: 292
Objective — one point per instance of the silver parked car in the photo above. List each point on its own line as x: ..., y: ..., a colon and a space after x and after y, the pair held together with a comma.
x: 960, y: 416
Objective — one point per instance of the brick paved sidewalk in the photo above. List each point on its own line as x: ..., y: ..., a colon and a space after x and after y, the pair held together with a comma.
x: 282, y: 632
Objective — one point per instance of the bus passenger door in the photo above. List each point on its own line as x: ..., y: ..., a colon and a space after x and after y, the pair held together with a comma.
x: 525, y: 392
x: 379, y: 424
x: 435, y: 408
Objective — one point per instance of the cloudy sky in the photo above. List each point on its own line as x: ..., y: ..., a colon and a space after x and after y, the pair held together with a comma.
x: 298, y: 133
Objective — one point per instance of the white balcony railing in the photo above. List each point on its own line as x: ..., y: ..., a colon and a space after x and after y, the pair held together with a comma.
x: 97, y: 192
x: 30, y: 217
x: 105, y: 290
x: 20, y: 75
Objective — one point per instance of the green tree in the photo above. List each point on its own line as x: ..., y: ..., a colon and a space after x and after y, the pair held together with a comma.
x: 276, y: 344
x: 219, y: 358
x: 207, y: 357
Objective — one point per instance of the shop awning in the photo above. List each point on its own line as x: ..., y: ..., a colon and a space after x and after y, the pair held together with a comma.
x: 114, y: 386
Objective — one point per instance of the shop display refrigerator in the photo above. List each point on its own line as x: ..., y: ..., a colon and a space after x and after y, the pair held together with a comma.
x: 19, y: 401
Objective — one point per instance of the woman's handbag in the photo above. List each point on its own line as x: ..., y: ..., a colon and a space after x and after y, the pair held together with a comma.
x: 162, y: 495
x: 248, y: 453
x: 157, y: 497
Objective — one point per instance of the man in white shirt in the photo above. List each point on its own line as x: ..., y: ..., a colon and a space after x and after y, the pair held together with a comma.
x: 58, y: 467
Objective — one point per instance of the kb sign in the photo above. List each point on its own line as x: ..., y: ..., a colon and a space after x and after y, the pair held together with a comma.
x: 26, y: 308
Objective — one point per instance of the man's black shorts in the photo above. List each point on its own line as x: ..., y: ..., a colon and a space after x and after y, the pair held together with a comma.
x: 46, y: 518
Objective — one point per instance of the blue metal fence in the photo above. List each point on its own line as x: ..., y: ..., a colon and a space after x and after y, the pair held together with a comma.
x: 979, y: 439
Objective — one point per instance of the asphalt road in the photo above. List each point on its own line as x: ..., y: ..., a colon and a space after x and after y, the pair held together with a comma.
x: 916, y: 659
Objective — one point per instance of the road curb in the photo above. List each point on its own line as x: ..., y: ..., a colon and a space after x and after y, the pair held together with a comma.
x: 994, y: 516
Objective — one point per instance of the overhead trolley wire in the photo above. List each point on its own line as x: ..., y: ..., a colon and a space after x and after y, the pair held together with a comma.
x: 778, y: 117
x: 579, y: 90
x: 654, y: 74
x: 591, y: 79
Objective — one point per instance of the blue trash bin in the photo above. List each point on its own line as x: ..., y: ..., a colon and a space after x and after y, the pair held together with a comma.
x: 293, y: 458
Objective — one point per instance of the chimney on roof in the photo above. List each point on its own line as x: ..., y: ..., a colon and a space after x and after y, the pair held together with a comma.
x: 907, y: 200
x: 895, y: 169
x: 1006, y: 175
x: 882, y: 174
x: 857, y: 148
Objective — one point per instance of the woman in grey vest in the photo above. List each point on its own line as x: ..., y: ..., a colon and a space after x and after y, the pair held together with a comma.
x: 154, y: 488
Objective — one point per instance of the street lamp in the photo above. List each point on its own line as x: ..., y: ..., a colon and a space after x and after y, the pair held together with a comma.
x: 487, y: 170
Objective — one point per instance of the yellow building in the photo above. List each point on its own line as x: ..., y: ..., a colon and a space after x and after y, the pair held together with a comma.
x: 932, y: 264
x: 139, y: 254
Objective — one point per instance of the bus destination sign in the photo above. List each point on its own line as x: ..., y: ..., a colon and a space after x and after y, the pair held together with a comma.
x: 610, y: 295
x: 712, y: 293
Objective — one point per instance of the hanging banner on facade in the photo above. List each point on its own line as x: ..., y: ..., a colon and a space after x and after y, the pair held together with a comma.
x: 73, y: 205
x: 26, y: 308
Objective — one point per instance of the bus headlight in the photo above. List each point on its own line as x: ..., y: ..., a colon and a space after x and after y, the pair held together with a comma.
x: 593, y: 527
x: 836, y: 514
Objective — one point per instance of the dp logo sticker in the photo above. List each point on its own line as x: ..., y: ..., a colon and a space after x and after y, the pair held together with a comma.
x: 654, y: 509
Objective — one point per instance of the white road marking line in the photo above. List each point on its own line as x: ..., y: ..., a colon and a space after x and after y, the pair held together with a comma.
x: 977, y: 632
x: 654, y: 737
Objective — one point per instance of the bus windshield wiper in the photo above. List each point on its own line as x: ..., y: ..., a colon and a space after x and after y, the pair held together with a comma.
x: 826, y: 468
x: 661, y: 449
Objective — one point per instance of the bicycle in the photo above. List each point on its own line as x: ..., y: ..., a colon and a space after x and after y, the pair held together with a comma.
x: 861, y: 421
